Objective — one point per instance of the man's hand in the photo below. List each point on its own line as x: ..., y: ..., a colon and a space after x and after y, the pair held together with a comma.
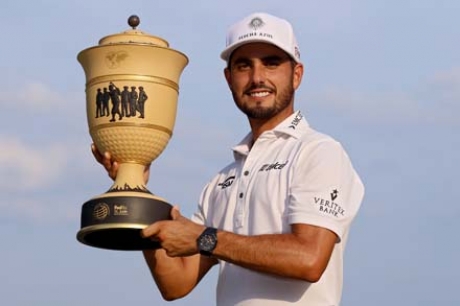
x: 111, y: 166
x: 177, y: 236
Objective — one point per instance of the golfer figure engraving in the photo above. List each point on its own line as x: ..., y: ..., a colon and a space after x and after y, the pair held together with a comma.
x: 143, y: 105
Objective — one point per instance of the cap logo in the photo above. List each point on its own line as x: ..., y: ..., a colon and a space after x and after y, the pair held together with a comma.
x: 256, y: 23
x: 297, y: 52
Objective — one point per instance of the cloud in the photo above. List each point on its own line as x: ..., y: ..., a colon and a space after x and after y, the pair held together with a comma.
x: 38, y: 95
x: 46, y: 182
x: 366, y: 106
x: 24, y: 167
x: 434, y: 101
x: 41, y: 209
x: 35, y: 96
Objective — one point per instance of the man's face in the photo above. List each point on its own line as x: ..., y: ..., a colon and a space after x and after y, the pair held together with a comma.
x: 263, y: 79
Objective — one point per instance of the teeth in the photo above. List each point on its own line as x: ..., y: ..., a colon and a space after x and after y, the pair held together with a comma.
x: 260, y: 94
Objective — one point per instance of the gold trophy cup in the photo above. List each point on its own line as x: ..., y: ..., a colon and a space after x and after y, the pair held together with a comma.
x: 131, y: 101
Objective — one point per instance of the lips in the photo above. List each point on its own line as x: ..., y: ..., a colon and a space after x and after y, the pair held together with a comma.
x: 259, y: 94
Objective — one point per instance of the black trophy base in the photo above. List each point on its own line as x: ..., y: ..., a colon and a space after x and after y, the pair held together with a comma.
x: 115, y: 222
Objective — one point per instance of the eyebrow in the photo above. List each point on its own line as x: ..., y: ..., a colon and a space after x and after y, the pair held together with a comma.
x: 276, y: 58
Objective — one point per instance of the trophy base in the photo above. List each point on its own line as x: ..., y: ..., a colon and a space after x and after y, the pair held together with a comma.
x: 114, y: 221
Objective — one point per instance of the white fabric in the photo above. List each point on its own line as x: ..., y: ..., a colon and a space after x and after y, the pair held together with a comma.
x: 262, y: 27
x: 292, y: 174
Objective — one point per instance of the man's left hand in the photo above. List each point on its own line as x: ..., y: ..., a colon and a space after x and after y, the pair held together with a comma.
x: 177, y: 236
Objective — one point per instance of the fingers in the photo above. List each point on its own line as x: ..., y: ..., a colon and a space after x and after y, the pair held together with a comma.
x: 112, y: 169
x: 147, y: 173
x: 151, y: 231
x: 105, y: 160
x: 154, y: 229
x: 175, y: 213
x: 96, y: 153
x: 111, y: 166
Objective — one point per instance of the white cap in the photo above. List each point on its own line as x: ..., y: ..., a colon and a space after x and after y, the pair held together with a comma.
x: 262, y: 27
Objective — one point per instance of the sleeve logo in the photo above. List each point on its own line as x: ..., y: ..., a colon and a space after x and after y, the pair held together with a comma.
x: 329, y: 207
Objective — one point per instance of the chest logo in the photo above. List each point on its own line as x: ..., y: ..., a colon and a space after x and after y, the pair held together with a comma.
x: 227, y: 183
x: 274, y: 166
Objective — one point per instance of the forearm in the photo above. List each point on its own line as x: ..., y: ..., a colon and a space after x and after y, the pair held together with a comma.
x: 288, y: 255
x: 174, y: 276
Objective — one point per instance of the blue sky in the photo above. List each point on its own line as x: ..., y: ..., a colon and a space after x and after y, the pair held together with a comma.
x: 382, y: 77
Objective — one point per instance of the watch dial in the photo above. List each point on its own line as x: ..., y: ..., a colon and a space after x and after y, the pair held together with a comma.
x: 207, y: 242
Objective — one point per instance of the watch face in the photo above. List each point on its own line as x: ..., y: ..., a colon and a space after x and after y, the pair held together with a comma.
x: 207, y: 242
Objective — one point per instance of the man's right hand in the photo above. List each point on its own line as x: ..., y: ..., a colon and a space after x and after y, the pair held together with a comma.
x: 111, y: 166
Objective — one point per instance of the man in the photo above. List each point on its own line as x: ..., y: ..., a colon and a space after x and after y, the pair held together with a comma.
x: 115, y: 93
x: 276, y: 220
x: 99, y: 99
x: 105, y: 102
x: 125, y: 95
x: 133, y: 101
x: 141, y: 101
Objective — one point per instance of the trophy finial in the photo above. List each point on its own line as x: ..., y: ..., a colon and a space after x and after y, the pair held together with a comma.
x: 134, y: 21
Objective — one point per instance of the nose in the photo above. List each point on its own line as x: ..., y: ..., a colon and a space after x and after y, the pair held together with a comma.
x: 258, y: 74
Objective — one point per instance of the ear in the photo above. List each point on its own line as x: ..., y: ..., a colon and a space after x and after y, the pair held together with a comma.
x: 297, y: 75
x: 228, y: 77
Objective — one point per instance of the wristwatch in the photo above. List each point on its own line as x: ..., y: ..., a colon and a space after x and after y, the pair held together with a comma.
x: 207, y: 241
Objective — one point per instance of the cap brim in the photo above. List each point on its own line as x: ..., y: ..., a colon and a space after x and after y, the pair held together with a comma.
x: 225, y: 55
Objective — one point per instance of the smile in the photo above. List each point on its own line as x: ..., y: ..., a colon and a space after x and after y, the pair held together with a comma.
x: 259, y: 94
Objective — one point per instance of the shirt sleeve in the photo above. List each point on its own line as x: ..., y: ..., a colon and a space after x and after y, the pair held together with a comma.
x: 326, y: 191
x: 199, y: 216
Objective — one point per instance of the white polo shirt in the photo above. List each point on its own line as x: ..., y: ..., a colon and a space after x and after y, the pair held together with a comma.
x: 292, y: 174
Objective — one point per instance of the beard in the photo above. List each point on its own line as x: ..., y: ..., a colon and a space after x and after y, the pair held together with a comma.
x: 282, y: 101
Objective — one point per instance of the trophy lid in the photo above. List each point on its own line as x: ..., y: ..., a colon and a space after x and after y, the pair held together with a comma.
x: 133, y: 36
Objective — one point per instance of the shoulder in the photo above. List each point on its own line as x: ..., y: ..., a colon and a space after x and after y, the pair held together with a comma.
x: 313, y: 141
x: 320, y: 153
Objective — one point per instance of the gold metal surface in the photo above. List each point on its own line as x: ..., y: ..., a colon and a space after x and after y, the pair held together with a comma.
x: 132, y: 88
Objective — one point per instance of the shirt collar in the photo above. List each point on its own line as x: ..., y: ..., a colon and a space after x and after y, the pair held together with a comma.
x: 293, y: 126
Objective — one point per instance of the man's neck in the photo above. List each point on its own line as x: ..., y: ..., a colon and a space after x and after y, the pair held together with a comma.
x: 259, y: 126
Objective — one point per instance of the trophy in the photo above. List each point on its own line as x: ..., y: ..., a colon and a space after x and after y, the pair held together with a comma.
x: 131, y: 101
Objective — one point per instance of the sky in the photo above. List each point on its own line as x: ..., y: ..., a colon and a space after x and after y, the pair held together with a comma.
x: 382, y: 77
